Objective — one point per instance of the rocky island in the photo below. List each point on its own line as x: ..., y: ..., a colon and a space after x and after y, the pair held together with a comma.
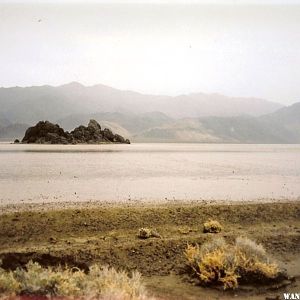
x: 45, y: 132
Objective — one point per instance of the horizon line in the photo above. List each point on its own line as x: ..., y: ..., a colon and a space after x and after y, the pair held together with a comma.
x: 168, y: 2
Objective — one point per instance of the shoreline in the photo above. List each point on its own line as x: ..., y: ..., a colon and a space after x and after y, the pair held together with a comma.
x: 90, y: 204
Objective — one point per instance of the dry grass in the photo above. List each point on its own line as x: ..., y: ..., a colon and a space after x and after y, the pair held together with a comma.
x: 216, y: 262
x: 212, y: 226
x: 98, y: 283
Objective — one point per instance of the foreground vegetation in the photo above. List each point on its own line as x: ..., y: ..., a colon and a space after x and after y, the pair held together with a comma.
x: 217, y: 262
x: 151, y: 240
x: 98, y: 283
x: 214, y: 262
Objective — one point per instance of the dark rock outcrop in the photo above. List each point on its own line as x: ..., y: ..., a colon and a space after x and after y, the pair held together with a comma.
x: 44, y: 132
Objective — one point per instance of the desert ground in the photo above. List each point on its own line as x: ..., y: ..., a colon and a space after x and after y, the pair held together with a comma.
x: 81, y: 234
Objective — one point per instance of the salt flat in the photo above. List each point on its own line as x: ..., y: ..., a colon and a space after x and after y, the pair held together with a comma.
x: 148, y: 172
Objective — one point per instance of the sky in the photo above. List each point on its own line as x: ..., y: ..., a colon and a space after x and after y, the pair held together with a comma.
x: 235, y: 48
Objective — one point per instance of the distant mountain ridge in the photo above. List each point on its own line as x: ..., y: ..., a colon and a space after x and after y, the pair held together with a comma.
x: 12, y: 131
x: 146, y: 118
x: 282, y: 126
x: 30, y: 104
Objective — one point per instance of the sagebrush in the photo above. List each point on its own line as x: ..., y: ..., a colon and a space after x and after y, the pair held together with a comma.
x: 146, y: 233
x: 217, y: 262
x: 212, y: 226
x: 98, y: 283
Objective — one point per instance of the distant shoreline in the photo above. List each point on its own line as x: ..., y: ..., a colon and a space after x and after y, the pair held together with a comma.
x: 11, y: 142
x: 95, y: 204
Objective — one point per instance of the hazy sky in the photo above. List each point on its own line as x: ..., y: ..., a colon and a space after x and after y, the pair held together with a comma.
x: 159, y: 47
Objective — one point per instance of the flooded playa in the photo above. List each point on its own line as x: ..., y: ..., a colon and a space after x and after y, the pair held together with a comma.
x: 148, y: 172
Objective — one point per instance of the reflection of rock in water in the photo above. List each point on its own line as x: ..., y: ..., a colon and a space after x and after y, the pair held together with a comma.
x: 45, y: 132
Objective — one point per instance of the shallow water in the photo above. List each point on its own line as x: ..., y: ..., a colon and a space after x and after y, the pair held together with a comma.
x: 50, y: 173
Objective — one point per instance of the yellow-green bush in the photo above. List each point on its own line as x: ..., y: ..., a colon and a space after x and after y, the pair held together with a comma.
x: 8, y: 283
x: 212, y: 226
x: 146, y: 233
x: 98, y: 283
x: 216, y: 262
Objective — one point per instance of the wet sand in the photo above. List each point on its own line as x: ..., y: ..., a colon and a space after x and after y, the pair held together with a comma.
x: 79, y: 235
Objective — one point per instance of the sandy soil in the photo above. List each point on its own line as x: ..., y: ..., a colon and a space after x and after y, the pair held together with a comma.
x: 107, y: 234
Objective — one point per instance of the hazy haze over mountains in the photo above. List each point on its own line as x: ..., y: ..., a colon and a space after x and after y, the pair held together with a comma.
x: 172, y: 47
x: 150, y: 118
x: 31, y: 104
x: 185, y: 70
x: 282, y: 126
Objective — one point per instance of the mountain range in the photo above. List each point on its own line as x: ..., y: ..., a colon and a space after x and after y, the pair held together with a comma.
x: 150, y: 118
